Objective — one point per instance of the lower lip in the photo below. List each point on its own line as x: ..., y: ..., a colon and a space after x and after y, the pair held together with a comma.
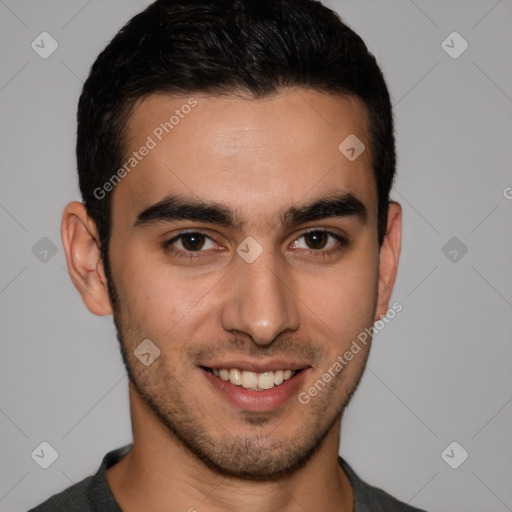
x: 255, y: 401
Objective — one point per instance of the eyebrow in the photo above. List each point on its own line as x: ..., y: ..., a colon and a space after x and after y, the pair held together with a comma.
x: 341, y: 205
x: 175, y: 208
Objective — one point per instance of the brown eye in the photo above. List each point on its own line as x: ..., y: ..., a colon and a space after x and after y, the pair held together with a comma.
x: 316, y: 239
x: 189, y: 243
x: 322, y: 243
x: 193, y: 241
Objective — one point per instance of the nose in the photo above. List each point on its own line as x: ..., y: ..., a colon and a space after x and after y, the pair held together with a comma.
x: 260, y: 301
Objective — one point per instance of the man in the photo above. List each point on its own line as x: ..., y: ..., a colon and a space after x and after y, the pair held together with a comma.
x: 235, y: 161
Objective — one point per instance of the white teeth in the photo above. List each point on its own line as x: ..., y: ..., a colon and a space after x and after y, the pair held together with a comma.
x: 266, y: 380
x: 278, y: 377
x: 253, y: 380
x: 249, y: 380
x: 235, y: 377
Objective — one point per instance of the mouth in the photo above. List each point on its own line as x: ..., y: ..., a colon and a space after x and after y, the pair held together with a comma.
x: 256, y: 391
x: 254, y: 381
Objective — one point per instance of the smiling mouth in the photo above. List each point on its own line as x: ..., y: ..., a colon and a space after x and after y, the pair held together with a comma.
x: 253, y: 381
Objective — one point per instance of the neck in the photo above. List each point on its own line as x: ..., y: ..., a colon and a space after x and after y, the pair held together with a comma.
x: 159, y: 473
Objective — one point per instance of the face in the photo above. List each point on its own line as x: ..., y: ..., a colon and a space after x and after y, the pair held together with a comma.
x: 244, y: 246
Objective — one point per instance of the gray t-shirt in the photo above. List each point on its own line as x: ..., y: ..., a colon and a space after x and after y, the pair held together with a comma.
x: 93, y: 494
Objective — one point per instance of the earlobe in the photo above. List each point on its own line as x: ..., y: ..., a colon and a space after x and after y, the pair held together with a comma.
x: 389, y: 257
x: 80, y: 241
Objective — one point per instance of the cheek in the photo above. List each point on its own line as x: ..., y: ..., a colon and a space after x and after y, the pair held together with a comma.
x: 157, y: 298
x: 341, y: 301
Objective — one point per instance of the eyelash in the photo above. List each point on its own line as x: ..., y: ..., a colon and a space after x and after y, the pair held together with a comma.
x: 192, y: 255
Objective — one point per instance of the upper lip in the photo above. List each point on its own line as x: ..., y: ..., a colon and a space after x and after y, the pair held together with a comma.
x: 257, y: 366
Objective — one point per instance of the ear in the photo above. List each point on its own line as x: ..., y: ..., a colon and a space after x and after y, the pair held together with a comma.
x: 81, y: 245
x: 389, y: 256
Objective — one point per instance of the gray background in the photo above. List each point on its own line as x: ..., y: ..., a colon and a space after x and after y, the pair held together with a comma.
x: 439, y: 372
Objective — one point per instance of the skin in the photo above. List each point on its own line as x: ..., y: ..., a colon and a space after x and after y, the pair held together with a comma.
x: 193, y: 448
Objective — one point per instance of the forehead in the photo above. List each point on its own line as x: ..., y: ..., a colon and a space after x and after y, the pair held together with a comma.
x: 250, y: 154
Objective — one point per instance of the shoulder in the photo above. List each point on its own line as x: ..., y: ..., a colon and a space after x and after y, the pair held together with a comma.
x: 72, y: 499
x: 372, y: 499
x: 91, y: 494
